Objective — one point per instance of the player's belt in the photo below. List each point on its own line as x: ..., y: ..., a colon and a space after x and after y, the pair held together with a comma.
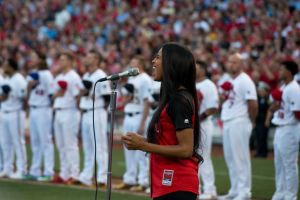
x: 35, y: 107
x: 9, y: 111
x: 88, y: 110
x: 64, y: 108
x: 131, y: 114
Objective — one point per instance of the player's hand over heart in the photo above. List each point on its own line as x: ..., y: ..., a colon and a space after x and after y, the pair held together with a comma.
x: 60, y: 93
x: 133, y: 141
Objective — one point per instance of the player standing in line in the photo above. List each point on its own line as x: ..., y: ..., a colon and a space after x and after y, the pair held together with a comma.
x: 153, y: 100
x: 287, y: 135
x: 238, y: 113
x: 39, y: 87
x: 12, y: 122
x: 92, y: 61
x: 136, y: 113
x: 1, y: 131
x: 67, y: 88
x: 208, y: 103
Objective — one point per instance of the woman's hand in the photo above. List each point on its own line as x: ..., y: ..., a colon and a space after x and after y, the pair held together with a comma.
x: 133, y: 141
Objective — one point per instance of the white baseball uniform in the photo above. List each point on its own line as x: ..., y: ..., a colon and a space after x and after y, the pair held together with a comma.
x: 225, y: 77
x: 40, y: 119
x: 100, y: 113
x: 297, y: 78
x: 66, y: 124
x: 154, y: 90
x: 133, y: 114
x: 286, y: 143
x: 236, y: 135
x: 210, y: 100
x: 12, y: 126
x: 1, y: 131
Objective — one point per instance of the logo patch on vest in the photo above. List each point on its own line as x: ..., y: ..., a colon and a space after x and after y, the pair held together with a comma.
x: 186, y: 121
x: 167, y: 177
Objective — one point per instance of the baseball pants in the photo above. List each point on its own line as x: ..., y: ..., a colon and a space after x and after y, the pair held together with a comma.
x: 135, y: 160
x: 66, y: 127
x: 13, y: 141
x: 286, y: 149
x: 236, y: 136
x: 206, y: 170
x: 89, y: 145
x: 41, y: 141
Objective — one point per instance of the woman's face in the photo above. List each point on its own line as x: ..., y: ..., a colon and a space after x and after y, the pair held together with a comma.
x: 157, y: 66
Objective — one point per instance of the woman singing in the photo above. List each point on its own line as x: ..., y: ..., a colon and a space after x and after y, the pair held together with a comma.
x: 173, y: 134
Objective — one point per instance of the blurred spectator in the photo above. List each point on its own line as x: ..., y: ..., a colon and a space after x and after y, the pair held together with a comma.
x: 263, y: 32
x: 261, y: 130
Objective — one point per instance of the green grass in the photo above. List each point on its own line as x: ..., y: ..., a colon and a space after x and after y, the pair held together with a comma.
x: 21, y: 191
x: 263, y: 183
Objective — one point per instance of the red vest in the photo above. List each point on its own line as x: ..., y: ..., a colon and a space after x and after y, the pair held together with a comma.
x: 171, y: 174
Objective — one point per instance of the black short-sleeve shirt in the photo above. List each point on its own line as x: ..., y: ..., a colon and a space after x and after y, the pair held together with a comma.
x: 181, y: 110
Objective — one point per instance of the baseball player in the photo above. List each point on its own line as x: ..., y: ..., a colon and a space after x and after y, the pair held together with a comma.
x: 40, y: 83
x: 239, y: 110
x: 136, y: 113
x: 286, y: 109
x: 153, y: 99
x: 1, y: 131
x: 13, y: 92
x: 67, y: 88
x: 209, y: 103
x: 102, y: 97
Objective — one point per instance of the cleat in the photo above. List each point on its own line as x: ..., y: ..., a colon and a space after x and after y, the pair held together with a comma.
x: 138, y: 188
x: 122, y: 186
x: 45, y: 178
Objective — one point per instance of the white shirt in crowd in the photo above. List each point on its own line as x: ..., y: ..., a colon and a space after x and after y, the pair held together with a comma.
x: 102, y: 88
x: 73, y: 89
x: 210, y: 95
x: 142, y: 88
x: 236, y: 104
x: 290, y: 103
x: 18, y: 85
x: 40, y: 95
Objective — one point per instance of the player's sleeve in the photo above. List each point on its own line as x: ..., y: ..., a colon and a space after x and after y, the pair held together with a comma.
x: 180, y: 109
x: 212, y: 99
x: 249, y: 90
x: 294, y: 101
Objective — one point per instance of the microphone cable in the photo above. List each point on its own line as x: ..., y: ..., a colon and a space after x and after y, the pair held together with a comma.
x: 95, y: 143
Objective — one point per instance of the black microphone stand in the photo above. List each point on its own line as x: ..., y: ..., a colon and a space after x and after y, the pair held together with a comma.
x: 113, y: 100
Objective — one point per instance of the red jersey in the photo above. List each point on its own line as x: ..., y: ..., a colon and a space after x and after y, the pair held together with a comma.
x: 173, y: 174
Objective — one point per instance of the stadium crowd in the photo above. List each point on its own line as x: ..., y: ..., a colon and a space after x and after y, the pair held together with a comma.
x: 75, y: 36
x: 263, y: 31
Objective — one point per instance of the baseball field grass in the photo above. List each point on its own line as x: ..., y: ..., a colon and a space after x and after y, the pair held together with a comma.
x: 263, y: 183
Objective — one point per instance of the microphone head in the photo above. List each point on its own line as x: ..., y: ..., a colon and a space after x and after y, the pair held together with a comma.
x: 133, y: 71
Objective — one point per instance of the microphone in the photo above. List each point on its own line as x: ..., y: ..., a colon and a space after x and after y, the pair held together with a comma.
x: 129, y: 72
